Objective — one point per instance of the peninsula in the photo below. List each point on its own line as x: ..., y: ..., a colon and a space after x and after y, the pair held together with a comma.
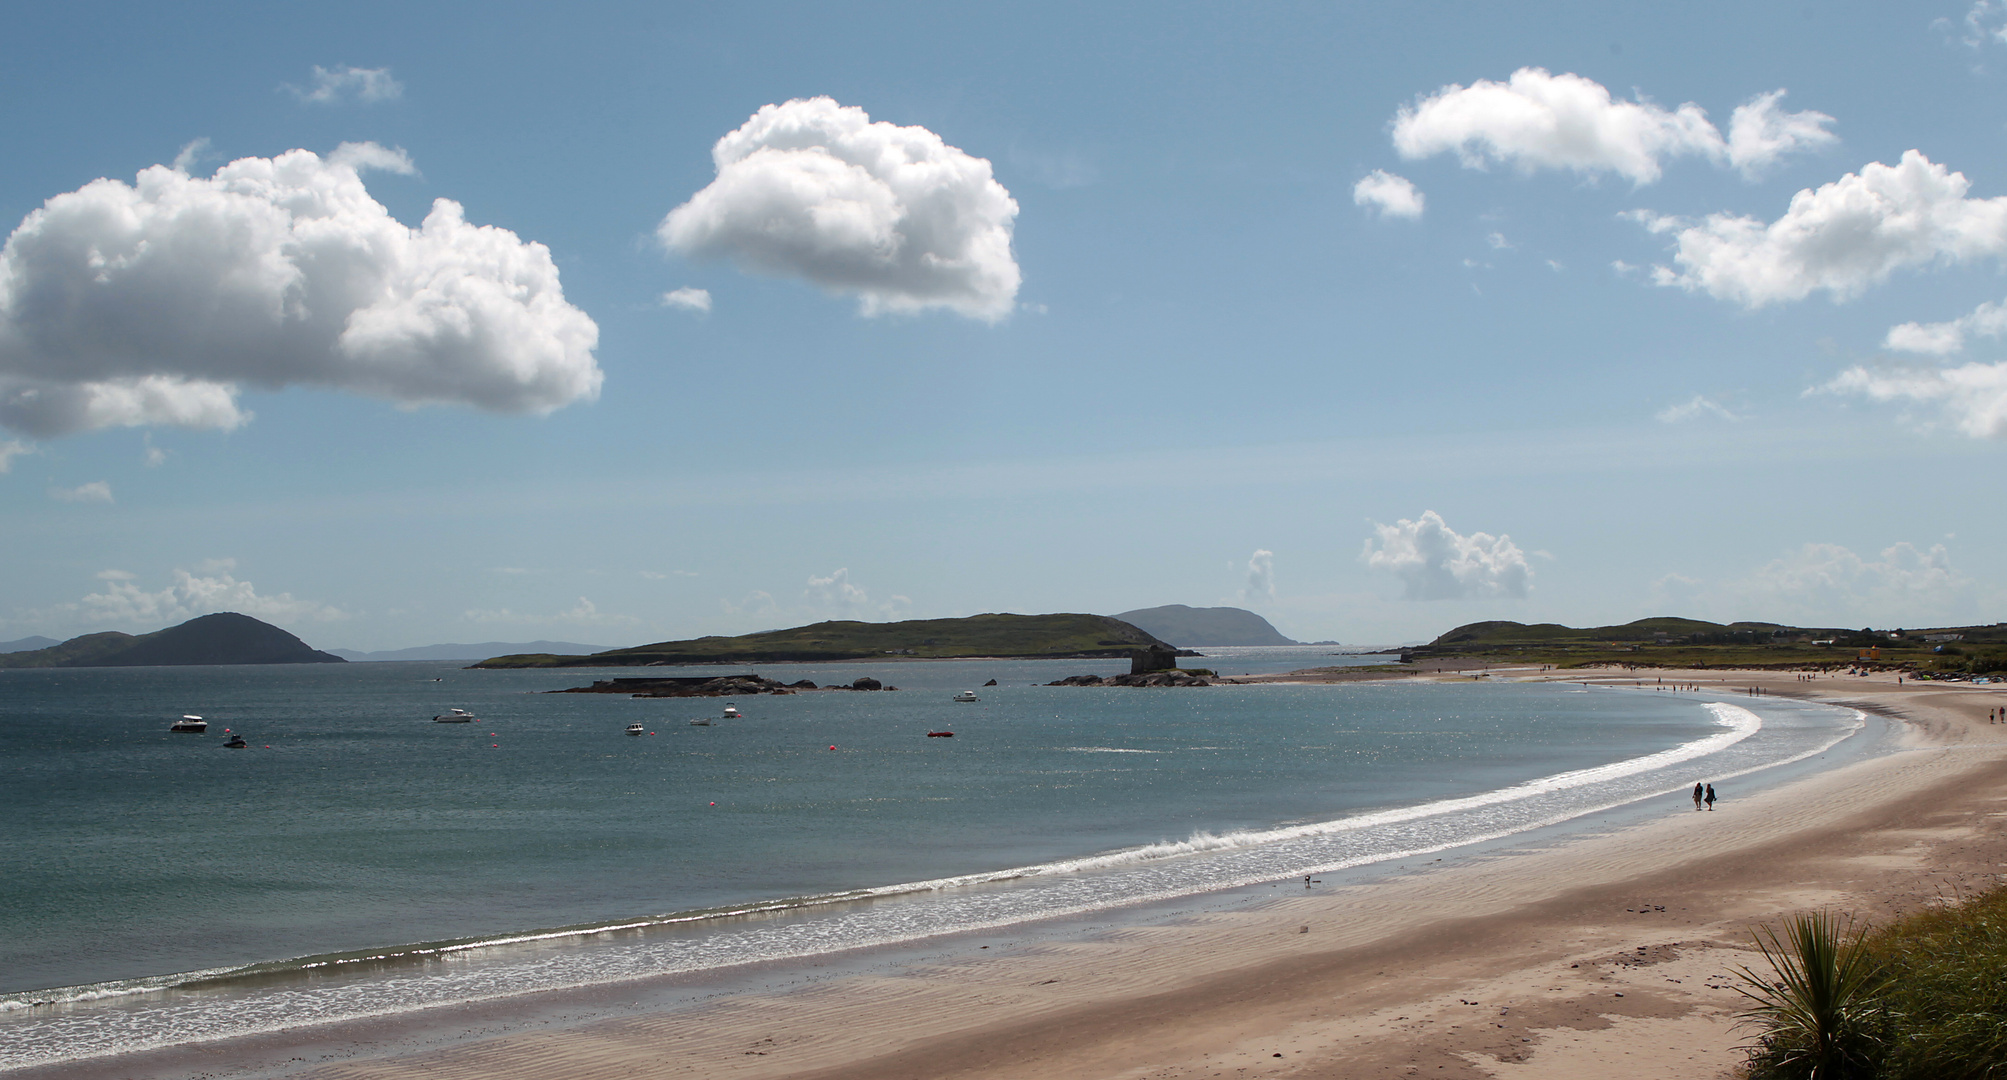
x: 1692, y: 643
x: 223, y: 638
x: 1056, y: 637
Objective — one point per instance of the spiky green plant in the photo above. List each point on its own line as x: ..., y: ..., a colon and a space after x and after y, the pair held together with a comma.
x: 1816, y: 1008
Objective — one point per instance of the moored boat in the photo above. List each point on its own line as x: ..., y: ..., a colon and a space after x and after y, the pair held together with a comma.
x: 967, y: 696
x: 455, y: 716
x: 637, y: 729
x: 731, y: 711
x: 191, y: 724
x: 702, y: 721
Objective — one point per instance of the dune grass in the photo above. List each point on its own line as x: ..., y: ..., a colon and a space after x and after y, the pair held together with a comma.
x: 1924, y: 998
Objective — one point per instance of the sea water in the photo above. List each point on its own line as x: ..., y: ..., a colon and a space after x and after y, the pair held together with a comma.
x: 359, y: 860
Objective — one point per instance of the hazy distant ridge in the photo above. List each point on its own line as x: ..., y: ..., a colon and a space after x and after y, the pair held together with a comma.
x: 1200, y: 627
x: 28, y: 644
x: 478, y: 651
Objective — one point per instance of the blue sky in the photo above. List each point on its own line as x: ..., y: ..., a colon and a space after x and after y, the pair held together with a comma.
x: 1375, y: 319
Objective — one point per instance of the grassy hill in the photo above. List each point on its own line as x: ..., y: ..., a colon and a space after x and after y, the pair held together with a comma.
x: 1673, y: 642
x: 1019, y: 636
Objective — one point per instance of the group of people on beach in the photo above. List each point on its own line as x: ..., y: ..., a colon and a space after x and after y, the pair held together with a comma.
x: 1703, y: 793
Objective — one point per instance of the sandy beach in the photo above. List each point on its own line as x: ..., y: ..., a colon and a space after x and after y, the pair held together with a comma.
x: 1607, y: 955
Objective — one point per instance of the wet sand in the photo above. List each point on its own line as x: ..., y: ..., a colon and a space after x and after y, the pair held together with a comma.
x: 1604, y: 955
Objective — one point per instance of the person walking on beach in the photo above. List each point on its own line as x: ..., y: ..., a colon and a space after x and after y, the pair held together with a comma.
x: 1696, y: 796
x: 1710, y: 796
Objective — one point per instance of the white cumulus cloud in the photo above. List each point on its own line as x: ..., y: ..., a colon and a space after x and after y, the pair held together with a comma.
x: 155, y: 302
x: 1538, y: 120
x: 688, y: 299
x: 1389, y: 195
x: 97, y: 491
x: 1842, y: 238
x: 210, y: 588
x: 892, y: 215
x: 344, y: 83
x: 1971, y: 397
x: 1435, y: 562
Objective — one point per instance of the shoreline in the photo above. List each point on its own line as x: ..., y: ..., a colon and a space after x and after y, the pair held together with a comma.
x: 1101, y: 1004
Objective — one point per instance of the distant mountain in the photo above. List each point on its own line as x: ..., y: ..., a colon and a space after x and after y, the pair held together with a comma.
x: 28, y: 644
x: 1199, y: 627
x: 223, y: 638
x: 481, y: 651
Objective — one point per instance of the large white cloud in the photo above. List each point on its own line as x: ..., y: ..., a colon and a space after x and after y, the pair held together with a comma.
x: 892, y: 215
x: 1841, y: 238
x: 1538, y: 120
x: 1435, y: 562
x: 154, y: 302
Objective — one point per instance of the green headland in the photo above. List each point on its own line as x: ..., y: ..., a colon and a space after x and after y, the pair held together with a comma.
x: 1064, y: 636
x: 1691, y: 643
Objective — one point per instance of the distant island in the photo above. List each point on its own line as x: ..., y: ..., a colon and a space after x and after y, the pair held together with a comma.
x: 479, y: 651
x: 1201, y: 627
x: 222, y: 638
x: 1063, y: 636
x: 28, y: 644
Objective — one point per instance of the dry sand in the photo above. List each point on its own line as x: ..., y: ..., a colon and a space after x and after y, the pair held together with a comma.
x: 1603, y: 956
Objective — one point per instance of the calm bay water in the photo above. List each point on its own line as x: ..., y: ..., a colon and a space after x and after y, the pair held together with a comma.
x: 355, y: 828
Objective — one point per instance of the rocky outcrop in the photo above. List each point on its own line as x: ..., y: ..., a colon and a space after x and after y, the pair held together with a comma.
x: 1173, y: 677
x: 712, y: 686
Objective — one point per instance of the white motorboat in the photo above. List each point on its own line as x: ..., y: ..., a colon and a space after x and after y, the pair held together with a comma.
x: 702, y: 721
x: 455, y: 716
x: 192, y: 724
x: 967, y: 696
x: 637, y: 729
x: 731, y: 711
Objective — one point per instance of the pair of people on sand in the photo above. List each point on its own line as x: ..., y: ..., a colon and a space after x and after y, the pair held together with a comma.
x: 1703, y: 793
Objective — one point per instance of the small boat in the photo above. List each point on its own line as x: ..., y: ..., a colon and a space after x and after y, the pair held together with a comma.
x: 455, y: 716
x: 967, y: 696
x: 702, y: 721
x: 191, y: 723
x: 731, y: 711
x: 940, y: 734
x: 637, y: 729
x: 236, y: 743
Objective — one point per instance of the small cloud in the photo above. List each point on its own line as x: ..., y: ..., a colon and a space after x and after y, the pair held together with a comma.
x: 1260, y: 576
x: 688, y: 299
x: 153, y: 456
x: 332, y: 86
x: 1701, y: 405
x: 1391, y: 196
x: 211, y: 587
x: 1985, y: 24
x: 363, y: 156
x: 1498, y: 242
x: 11, y: 449
x: 191, y: 152
x: 97, y: 491
x: 1555, y: 265
x: 1624, y: 269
